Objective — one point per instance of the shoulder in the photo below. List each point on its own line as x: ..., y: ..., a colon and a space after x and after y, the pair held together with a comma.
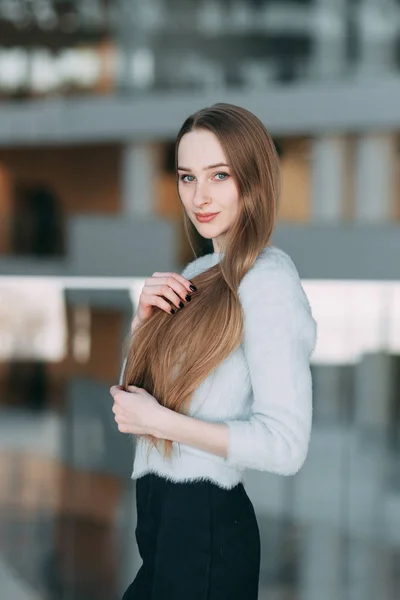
x: 273, y: 271
x: 272, y: 291
x: 198, y: 265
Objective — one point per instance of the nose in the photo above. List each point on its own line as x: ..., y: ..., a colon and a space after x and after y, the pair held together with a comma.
x: 201, y: 193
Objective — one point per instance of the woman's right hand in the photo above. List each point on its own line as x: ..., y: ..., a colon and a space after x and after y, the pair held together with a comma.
x: 159, y: 288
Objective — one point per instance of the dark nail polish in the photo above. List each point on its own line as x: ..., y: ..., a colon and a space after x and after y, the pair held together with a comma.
x: 188, y: 298
x: 172, y: 311
x: 193, y: 288
x: 181, y: 305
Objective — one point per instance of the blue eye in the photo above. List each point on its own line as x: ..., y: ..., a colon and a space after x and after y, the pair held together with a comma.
x: 221, y: 176
x: 183, y: 178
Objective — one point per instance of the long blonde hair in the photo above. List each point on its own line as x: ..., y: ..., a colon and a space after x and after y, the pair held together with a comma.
x: 169, y: 355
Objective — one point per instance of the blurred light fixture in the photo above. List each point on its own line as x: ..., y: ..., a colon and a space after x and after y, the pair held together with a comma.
x: 32, y: 319
x: 14, y: 11
x: 87, y: 67
x: 149, y: 15
x: 211, y: 17
x: 378, y: 23
x: 44, y: 14
x: 329, y: 58
x: 14, y: 67
x: 91, y: 14
x: 44, y: 75
x: 142, y: 68
x: 241, y: 16
x: 73, y: 66
x: 81, y: 334
x: 67, y: 63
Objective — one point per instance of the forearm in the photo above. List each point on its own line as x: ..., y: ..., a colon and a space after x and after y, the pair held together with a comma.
x: 210, y: 437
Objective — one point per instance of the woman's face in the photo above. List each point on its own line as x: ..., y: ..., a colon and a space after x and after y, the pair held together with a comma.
x: 206, y: 185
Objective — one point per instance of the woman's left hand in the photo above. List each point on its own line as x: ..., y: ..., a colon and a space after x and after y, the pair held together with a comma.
x: 136, y: 411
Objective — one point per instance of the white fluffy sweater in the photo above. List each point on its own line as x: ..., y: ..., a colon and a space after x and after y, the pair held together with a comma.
x: 262, y: 390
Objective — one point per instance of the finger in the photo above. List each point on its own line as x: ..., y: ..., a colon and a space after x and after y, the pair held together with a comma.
x: 185, y: 282
x: 158, y: 301
x: 115, y: 389
x: 119, y: 417
x: 170, y: 285
x: 177, y: 296
x: 123, y: 428
x: 120, y: 420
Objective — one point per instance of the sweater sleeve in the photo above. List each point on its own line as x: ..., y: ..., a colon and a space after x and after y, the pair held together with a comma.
x: 279, y: 337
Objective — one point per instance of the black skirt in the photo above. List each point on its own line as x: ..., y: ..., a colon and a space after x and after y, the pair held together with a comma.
x: 197, y: 541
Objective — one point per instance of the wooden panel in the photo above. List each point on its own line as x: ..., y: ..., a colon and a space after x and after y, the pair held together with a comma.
x: 295, y: 197
x: 5, y: 208
x: 85, y: 178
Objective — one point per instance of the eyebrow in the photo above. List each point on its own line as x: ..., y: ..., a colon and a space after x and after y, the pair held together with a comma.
x: 204, y: 168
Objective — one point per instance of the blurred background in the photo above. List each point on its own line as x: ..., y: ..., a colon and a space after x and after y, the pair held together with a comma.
x: 92, y: 94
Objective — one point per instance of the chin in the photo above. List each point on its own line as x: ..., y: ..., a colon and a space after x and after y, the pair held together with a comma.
x: 207, y: 234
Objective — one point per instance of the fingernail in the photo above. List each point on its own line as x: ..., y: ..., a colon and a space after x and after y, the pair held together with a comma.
x: 188, y: 298
x: 181, y: 305
x: 193, y: 288
x: 172, y: 311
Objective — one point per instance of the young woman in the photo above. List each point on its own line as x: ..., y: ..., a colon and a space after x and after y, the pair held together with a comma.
x: 217, y: 378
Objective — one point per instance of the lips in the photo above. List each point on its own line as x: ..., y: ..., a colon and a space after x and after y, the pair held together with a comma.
x: 205, y: 217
